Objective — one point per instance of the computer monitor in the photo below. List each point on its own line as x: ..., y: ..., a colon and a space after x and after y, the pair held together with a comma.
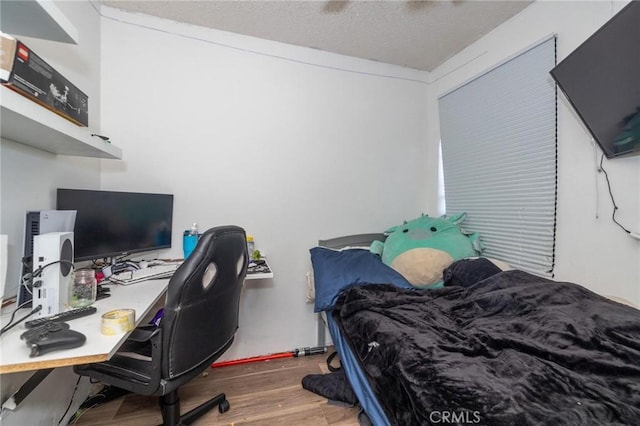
x: 113, y: 224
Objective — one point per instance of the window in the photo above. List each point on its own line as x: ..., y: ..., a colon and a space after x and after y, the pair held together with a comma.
x: 499, y: 149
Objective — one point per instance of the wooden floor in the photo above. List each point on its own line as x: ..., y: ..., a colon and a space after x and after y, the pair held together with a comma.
x: 260, y: 393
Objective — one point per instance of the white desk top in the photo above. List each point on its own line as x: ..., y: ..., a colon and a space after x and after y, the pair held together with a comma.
x: 14, y: 354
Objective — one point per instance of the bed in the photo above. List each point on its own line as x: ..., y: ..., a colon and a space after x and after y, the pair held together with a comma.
x: 501, y: 348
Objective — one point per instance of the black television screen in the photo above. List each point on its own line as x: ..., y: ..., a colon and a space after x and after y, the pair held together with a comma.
x: 601, y: 80
x: 110, y: 223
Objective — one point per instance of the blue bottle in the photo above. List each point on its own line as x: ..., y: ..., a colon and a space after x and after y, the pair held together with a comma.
x: 190, y: 240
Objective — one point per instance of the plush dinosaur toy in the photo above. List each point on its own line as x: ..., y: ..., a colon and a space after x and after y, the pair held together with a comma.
x: 422, y: 248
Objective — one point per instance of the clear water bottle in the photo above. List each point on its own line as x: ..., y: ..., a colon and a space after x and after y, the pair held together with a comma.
x: 251, y: 247
x: 190, y: 240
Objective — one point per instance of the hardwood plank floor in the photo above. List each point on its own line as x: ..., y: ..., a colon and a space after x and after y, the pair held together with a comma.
x: 260, y: 393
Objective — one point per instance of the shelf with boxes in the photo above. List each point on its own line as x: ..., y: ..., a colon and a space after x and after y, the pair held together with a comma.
x: 26, y: 122
x: 23, y: 119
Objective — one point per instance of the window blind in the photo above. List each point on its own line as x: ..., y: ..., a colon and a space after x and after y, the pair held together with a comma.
x: 499, y: 148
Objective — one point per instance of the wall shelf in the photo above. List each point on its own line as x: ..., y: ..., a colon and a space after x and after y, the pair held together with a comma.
x: 26, y: 122
x: 37, y: 18
x: 259, y: 273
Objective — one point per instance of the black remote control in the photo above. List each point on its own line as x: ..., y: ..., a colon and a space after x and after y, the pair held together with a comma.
x: 62, y: 316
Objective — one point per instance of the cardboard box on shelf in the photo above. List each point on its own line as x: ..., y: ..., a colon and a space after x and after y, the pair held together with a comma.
x: 25, y: 72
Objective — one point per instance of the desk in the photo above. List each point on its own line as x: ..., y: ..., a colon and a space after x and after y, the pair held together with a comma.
x: 14, y: 354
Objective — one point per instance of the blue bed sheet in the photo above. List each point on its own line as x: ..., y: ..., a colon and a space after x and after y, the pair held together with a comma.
x: 356, y: 376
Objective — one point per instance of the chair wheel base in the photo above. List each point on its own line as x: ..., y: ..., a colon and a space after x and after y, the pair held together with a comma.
x: 224, y: 406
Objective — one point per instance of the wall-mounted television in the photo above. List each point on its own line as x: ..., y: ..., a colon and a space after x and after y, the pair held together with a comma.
x: 111, y: 223
x: 601, y: 80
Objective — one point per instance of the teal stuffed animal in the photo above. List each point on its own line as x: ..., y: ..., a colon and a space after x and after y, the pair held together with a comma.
x: 422, y: 248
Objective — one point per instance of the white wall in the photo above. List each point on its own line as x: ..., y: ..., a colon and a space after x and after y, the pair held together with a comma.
x: 28, y: 180
x: 292, y: 144
x: 590, y: 248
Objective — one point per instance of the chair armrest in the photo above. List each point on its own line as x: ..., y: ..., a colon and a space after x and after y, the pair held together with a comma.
x: 144, y: 333
x: 145, y: 341
x: 135, y: 366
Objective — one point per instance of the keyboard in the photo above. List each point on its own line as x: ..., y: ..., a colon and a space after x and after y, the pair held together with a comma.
x: 150, y: 273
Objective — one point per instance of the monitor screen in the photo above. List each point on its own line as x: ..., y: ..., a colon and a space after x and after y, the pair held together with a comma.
x: 601, y: 80
x: 110, y: 223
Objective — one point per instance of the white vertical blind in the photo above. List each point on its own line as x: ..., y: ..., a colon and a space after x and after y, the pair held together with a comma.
x: 498, y: 135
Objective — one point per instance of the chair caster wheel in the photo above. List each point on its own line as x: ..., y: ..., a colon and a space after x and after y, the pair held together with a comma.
x: 224, y: 406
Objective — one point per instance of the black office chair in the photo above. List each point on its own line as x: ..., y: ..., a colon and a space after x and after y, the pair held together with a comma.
x: 198, y: 325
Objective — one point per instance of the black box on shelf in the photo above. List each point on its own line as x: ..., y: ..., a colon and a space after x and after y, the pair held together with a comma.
x: 25, y: 72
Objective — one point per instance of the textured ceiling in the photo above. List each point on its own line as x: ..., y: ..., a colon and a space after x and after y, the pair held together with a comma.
x: 414, y: 34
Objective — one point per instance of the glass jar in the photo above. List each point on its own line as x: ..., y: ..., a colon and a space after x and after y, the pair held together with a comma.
x: 84, y: 288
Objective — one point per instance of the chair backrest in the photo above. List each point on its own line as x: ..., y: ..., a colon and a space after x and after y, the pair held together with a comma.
x: 201, y: 311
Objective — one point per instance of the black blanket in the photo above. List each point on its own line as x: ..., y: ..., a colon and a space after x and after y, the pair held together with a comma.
x: 511, y: 349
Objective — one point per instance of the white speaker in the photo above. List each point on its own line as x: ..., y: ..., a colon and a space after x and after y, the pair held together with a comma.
x: 53, y: 272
